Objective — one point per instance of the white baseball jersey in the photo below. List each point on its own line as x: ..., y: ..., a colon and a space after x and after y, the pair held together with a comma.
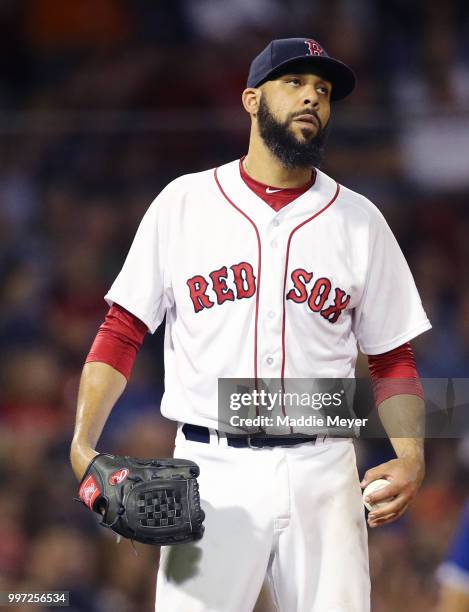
x: 249, y: 292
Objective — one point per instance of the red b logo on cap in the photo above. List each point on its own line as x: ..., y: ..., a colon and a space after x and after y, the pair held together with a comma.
x: 314, y: 47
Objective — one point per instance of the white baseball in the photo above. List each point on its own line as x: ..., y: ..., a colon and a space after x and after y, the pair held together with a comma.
x: 374, y: 486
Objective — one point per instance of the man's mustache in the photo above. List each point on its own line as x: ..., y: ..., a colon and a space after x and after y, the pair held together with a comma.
x: 310, y: 113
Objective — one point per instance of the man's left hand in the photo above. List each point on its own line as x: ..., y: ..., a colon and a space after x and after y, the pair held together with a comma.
x: 405, y: 476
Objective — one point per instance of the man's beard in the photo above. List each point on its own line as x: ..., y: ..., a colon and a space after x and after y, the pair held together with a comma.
x: 281, y: 141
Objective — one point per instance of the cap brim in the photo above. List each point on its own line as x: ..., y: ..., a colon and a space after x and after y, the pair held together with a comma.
x: 339, y: 74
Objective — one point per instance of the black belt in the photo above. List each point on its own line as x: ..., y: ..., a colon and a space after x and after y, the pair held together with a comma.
x: 202, y: 434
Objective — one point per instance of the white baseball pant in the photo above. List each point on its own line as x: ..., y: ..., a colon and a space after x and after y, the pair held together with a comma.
x: 293, y: 514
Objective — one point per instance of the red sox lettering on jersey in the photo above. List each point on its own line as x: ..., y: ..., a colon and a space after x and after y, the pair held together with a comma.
x: 244, y: 286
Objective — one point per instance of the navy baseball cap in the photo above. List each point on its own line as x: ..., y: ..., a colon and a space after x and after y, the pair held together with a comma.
x: 280, y: 53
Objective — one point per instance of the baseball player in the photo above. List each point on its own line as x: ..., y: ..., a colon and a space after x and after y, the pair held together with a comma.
x: 265, y: 267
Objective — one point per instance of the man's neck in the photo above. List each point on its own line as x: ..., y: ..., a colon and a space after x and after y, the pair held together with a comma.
x: 263, y: 166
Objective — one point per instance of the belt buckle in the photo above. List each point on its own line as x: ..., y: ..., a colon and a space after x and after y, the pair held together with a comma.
x: 250, y: 445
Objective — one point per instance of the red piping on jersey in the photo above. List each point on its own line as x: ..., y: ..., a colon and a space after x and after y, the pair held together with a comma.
x: 258, y: 266
x: 284, y: 314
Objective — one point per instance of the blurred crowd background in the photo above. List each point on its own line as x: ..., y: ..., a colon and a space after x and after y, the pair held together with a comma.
x: 103, y: 102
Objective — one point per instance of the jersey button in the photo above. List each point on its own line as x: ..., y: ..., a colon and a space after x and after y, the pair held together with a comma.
x: 270, y: 360
x: 275, y: 222
x: 273, y: 244
x: 271, y: 314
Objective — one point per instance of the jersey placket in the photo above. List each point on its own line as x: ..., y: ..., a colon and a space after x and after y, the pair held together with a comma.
x: 273, y: 239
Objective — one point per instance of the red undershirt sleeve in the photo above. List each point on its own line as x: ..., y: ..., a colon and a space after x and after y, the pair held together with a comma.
x: 394, y: 373
x: 118, y: 340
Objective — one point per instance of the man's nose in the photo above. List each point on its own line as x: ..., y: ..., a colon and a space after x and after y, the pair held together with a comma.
x: 311, y: 97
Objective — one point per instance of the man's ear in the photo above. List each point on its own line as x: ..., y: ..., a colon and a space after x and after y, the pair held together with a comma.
x: 251, y: 98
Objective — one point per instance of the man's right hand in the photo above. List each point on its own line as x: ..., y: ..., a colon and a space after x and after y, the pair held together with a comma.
x: 100, y: 388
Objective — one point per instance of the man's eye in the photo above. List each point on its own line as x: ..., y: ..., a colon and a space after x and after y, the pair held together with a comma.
x: 323, y: 90
x: 294, y: 81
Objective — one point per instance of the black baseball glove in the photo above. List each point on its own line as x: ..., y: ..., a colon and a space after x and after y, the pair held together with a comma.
x: 154, y: 501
